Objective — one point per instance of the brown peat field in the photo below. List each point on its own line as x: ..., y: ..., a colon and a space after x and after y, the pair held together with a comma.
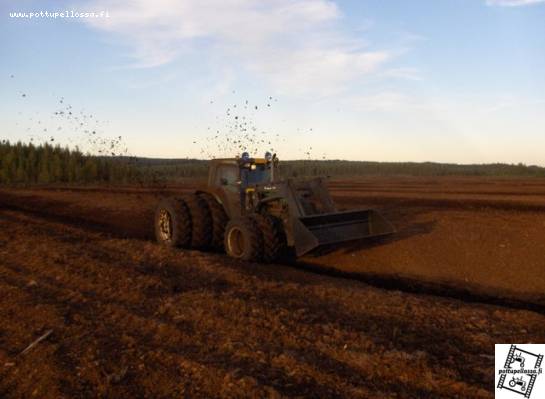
x: 414, y: 315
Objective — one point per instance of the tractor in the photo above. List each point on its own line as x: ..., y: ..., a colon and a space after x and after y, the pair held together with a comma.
x: 518, y: 382
x: 518, y: 358
x: 252, y: 214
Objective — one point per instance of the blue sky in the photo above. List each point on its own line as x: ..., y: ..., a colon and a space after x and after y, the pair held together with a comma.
x: 449, y: 81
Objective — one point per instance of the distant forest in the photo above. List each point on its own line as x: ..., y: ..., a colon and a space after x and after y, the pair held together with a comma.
x: 43, y: 164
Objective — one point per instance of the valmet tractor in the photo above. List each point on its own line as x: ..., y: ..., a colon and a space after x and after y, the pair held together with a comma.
x: 248, y: 212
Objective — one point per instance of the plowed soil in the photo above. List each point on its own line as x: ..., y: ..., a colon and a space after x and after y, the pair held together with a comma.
x: 415, y: 315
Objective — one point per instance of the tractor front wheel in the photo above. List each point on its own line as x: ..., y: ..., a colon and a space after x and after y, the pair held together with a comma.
x: 274, y: 237
x: 244, y: 240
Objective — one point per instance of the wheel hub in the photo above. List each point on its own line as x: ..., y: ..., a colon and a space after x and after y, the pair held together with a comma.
x: 165, y: 225
x: 236, y: 242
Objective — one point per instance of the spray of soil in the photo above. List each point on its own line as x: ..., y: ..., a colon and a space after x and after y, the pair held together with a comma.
x: 234, y: 130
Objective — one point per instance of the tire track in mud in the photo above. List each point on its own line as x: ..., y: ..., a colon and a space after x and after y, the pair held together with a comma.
x: 434, y: 189
x: 156, y: 191
x: 56, y: 211
x: 378, y: 190
x: 252, y: 304
x: 468, y: 293
x: 438, y: 203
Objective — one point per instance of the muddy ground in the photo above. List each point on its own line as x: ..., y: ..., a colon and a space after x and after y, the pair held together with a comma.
x: 413, y: 315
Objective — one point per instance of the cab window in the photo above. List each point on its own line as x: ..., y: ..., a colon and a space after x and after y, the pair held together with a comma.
x: 227, y: 172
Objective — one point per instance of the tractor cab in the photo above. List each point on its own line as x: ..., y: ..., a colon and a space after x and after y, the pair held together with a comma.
x: 234, y: 180
x: 243, y: 171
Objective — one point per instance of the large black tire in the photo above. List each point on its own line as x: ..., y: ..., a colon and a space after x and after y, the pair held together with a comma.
x: 173, y: 223
x: 274, y: 237
x: 219, y: 221
x: 243, y: 239
x: 201, y: 221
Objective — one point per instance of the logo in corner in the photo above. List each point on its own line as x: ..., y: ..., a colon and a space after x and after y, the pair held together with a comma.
x: 521, y: 369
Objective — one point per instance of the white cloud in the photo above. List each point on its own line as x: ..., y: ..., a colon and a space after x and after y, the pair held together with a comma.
x: 512, y: 3
x: 404, y: 73
x: 297, y: 46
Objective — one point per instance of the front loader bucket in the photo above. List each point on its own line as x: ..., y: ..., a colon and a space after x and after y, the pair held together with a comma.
x: 311, y: 232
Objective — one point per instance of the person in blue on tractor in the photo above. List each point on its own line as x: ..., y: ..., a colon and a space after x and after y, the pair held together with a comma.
x: 250, y: 174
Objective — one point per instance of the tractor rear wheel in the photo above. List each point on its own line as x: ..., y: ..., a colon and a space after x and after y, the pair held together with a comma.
x: 201, y: 221
x: 243, y: 239
x: 274, y: 237
x: 173, y: 223
x: 219, y: 220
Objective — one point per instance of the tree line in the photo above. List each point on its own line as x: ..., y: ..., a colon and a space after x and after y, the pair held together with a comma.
x: 172, y: 169
x: 44, y: 164
x: 365, y: 168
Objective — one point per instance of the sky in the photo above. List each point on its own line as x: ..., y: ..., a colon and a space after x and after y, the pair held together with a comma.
x: 459, y: 81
